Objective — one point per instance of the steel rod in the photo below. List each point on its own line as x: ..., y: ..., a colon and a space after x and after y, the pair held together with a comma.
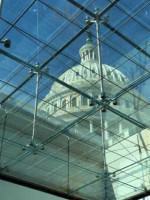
x: 35, y: 109
x: 97, y: 23
x: 104, y: 153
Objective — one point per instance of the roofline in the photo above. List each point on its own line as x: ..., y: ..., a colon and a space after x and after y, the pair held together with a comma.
x: 38, y: 187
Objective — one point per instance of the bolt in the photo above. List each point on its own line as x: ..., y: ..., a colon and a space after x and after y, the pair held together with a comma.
x: 31, y: 71
x: 46, y: 70
x: 115, y: 102
x: 87, y: 20
x: 96, y: 11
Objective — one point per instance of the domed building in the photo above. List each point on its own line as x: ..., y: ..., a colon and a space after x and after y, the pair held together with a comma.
x: 85, y: 77
x: 66, y: 105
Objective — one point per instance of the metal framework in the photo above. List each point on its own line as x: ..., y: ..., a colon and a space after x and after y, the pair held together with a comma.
x: 103, y: 103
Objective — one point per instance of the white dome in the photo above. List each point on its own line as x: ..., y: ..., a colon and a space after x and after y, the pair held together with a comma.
x: 89, y: 73
x: 85, y: 77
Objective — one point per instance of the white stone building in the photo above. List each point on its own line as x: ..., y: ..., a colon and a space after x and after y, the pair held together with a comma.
x: 125, y: 143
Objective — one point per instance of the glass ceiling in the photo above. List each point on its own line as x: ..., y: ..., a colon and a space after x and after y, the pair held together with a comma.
x: 71, y: 140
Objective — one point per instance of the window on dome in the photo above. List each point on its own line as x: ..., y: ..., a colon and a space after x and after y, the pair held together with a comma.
x: 73, y: 102
x: 85, y: 72
x: 77, y: 74
x: 93, y: 73
x: 123, y: 80
x: 94, y: 55
x: 87, y: 54
x: 64, y: 104
x: 55, y: 107
x: 108, y: 75
x: 91, y: 54
x: 116, y: 76
x: 83, y: 56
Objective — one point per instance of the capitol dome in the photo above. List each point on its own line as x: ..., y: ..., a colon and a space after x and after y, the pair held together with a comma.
x: 86, y: 77
x: 88, y: 71
x: 68, y: 106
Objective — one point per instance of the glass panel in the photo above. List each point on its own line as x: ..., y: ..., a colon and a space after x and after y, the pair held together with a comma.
x: 57, y: 128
